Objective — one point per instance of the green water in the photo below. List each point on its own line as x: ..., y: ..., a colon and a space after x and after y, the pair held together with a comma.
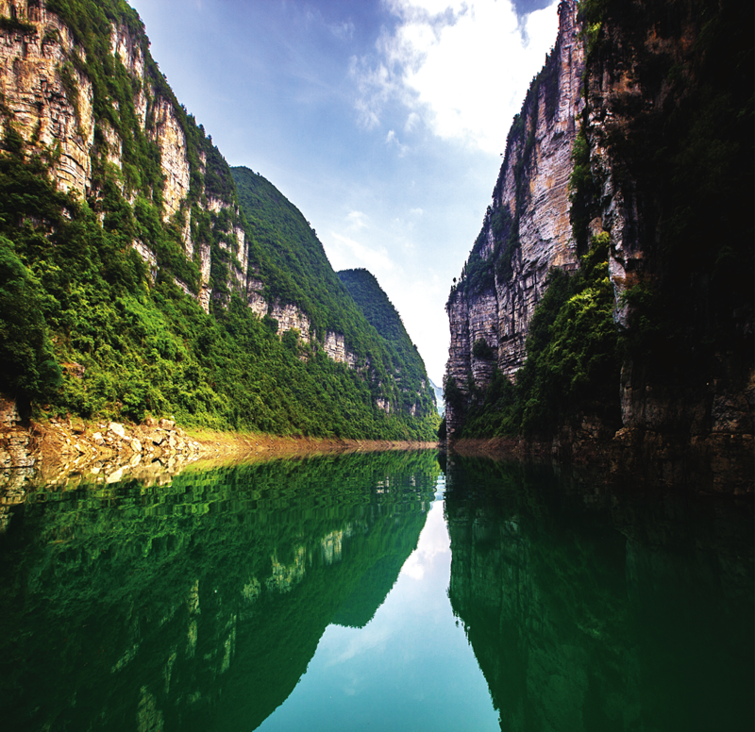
x: 375, y: 592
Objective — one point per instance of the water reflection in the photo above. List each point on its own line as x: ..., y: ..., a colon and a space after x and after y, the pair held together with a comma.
x: 199, y: 604
x: 344, y: 593
x: 594, y: 610
x: 410, y: 668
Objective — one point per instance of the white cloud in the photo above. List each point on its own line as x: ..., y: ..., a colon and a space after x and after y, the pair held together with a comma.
x: 411, y: 122
x: 391, y: 139
x: 374, y: 87
x: 343, y: 31
x: 357, y: 220
x: 464, y: 66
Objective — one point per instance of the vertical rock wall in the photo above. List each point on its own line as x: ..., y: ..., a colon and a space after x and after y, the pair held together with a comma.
x: 168, y: 133
x: 526, y: 230
x: 661, y: 100
x: 642, y: 78
x: 44, y: 94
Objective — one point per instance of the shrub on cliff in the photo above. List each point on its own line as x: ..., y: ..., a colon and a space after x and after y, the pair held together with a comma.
x: 482, y: 350
x: 572, y: 358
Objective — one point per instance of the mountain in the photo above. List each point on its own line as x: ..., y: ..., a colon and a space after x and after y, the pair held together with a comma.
x: 609, y: 295
x: 140, y: 275
x: 381, y: 315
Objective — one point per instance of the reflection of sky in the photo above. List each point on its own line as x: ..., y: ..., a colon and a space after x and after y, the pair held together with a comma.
x: 410, y: 668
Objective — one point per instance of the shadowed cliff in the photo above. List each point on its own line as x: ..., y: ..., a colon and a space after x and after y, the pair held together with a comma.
x: 608, y: 300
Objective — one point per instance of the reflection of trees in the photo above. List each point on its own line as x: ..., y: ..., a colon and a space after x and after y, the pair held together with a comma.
x: 591, y: 610
x: 196, y: 605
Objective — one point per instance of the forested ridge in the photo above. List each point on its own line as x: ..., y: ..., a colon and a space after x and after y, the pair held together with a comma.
x: 92, y: 327
x: 383, y: 316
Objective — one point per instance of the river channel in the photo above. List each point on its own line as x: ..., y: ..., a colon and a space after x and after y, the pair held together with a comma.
x: 377, y: 591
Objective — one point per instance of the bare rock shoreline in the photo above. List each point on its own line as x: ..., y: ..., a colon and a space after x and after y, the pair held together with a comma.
x: 68, y: 451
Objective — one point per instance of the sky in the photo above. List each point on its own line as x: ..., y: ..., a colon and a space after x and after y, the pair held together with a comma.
x: 383, y: 121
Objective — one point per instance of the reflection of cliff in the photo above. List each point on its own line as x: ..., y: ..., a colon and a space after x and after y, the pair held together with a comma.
x: 590, y: 611
x: 196, y: 605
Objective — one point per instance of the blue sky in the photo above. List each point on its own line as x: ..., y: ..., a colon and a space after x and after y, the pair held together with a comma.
x: 383, y: 121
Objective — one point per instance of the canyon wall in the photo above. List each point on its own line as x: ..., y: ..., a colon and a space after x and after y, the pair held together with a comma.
x: 666, y: 99
x: 635, y: 131
x: 526, y: 230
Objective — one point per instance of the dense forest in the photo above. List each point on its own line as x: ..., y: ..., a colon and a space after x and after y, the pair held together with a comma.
x: 126, y: 299
x: 383, y: 316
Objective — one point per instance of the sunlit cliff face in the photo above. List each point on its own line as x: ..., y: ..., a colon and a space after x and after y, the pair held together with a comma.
x: 527, y: 230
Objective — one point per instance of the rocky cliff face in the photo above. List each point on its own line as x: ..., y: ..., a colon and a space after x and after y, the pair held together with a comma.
x: 526, y: 230
x: 665, y: 105
x: 49, y: 99
x: 633, y: 130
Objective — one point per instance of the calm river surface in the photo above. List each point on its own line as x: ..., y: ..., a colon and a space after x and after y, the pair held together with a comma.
x: 376, y: 592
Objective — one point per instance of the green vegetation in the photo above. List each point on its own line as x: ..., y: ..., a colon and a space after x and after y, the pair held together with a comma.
x: 374, y: 303
x: 151, y: 349
x: 289, y: 258
x: 482, y: 351
x: 88, y: 329
x: 234, y: 573
x: 26, y: 355
x: 13, y: 23
x: 381, y: 315
x: 572, y: 361
x: 291, y: 261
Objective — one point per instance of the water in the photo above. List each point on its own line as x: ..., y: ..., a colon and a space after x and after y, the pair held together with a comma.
x: 374, y: 592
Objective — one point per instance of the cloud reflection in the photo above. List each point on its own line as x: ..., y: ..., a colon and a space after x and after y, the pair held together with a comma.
x: 433, y: 548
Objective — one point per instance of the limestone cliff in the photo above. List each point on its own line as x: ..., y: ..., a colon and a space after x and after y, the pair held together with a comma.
x: 526, y: 230
x: 633, y: 134
x: 49, y: 99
